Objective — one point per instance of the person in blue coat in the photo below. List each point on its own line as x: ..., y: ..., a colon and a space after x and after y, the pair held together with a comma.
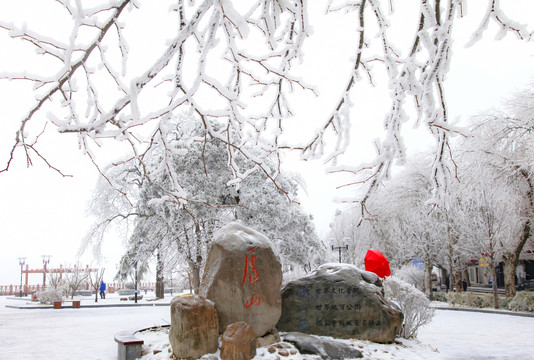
x: 102, y: 290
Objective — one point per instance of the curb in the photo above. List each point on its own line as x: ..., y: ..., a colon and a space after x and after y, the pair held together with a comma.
x: 84, y: 306
x: 485, y: 311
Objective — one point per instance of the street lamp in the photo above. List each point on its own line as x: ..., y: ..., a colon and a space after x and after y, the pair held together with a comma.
x: 136, y: 281
x: 339, y: 248
x: 46, y: 261
x: 22, y: 261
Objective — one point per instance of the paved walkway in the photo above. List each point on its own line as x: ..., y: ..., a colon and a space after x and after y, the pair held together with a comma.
x: 111, y: 300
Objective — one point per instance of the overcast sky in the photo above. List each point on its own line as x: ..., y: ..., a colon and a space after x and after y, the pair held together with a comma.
x: 42, y: 213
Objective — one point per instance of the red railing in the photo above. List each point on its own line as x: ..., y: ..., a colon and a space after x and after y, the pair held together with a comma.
x: 30, y: 289
x: 15, y: 289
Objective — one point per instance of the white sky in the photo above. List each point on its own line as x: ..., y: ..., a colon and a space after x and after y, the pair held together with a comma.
x: 44, y: 213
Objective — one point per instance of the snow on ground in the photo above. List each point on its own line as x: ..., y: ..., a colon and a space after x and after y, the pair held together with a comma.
x: 73, y: 334
x: 474, y: 335
x: 87, y: 333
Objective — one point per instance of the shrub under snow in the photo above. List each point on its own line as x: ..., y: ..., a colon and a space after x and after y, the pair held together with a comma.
x: 413, y: 303
x: 411, y: 274
x: 469, y: 299
x: 50, y: 295
x: 465, y: 298
x: 522, y: 301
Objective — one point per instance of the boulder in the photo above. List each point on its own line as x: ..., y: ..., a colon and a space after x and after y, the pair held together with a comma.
x: 342, y: 301
x: 194, y: 327
x: 270, y: 338
x: 325, y: 348
x: 243, y: 278
x: 238, y: 342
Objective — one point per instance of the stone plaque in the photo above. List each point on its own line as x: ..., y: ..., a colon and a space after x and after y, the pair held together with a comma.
x: 342, y: 301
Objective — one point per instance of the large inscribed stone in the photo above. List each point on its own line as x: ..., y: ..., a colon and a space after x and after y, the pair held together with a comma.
x: 339, y: 300
x: 243, y: 277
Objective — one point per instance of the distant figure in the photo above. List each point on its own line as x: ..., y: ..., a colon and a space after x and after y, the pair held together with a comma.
x: 447, y: 283
x: 464, y: 283
x: 103, y: 290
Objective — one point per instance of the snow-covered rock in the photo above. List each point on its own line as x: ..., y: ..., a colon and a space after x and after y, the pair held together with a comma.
x: 325, y: 348
x: 342, y: 301
x: 238, y: 342
x: 243, y: 278
x: 194, y: 327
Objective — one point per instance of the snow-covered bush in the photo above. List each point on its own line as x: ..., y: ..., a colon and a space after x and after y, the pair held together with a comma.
x: 454, y: 298
x: 487, y: 301
x: 471, y: 300
x: 504, y: 302
x: 440, y: 296
x: 413, y: 303
x: 411, y: 274
x: 464, y: 299
x: 50, y: 295
x: 477, y: 301
x: 522, y: 301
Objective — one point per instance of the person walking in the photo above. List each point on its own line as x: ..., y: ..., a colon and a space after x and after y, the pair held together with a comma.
x: 102, y: 290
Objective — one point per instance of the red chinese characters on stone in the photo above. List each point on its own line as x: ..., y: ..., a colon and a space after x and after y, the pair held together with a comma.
x: 253, y: 276
x: 253, y: 299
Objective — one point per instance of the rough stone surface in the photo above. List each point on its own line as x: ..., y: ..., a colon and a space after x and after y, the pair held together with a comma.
x: 243, y: 277
x: 270, y: 338
x: 194, y: 327
x: 325, y: 348
x: 342, y: 301
x: 238, y: 342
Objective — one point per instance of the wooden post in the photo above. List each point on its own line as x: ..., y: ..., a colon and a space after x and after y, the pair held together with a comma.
x: 26, y: 284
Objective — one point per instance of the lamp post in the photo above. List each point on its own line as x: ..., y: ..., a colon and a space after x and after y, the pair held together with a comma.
x: 136, y: 281
x: 46, y: 261
x: 22, y: 261
x: 339, y: 248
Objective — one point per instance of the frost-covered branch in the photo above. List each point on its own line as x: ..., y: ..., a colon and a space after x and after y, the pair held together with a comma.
x: 233, y: 64
x: 64, y: 75
x: 419, y: 75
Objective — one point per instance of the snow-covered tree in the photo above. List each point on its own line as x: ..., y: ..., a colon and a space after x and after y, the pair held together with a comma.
x: 489, y: 217
x: 95, y: 279
x: 286, y: 224
x: 130, y: 265
x: 75, y: 279
x: 185, y: 229
x: 55, y: 280
x: 347, y: 224
x: 408, y: 226
x: 107, y: 70
x: 504, y: 144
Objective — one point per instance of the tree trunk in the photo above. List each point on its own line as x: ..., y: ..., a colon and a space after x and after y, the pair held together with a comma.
x: 510, y: 265
x: 160, y: 286
x: 511, y: 260
x: 451, y: 275
x: 428, y: 281
x: 194, y: 270
x: 198, y: 261
x: 494, y: 283
x: 452, y: 271
x: 458, y: 281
